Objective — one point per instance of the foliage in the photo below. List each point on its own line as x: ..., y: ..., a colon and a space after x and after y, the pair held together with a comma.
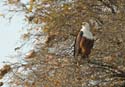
x: 63, y: 17
x: 63, y: 20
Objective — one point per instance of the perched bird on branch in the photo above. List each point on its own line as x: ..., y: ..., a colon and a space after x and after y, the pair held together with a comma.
x: 84, y: 41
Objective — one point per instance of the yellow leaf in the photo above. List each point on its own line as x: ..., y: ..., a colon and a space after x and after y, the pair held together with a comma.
x: 1, y: 14
x: 36, y: 20
x: 31, y: 1
x: 45, y: 30
x: 30, y: 8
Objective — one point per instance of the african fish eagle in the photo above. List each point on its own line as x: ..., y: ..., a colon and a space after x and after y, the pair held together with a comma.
x: 84, y: 41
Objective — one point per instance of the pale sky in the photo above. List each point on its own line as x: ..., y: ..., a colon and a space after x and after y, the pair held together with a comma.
x: 9, y: 31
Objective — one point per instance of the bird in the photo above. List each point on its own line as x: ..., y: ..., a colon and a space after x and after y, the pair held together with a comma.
x: 84, y: 41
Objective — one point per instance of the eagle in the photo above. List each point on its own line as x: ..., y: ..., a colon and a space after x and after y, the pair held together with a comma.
x: 84, y: 41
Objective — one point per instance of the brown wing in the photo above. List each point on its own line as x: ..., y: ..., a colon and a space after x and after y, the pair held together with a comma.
x: 77, y: 45
x: 88, y: 46
x: 82, y: 45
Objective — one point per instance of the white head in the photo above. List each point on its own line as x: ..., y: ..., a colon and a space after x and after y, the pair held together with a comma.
x: 86, y: 30
x: 85, y: 26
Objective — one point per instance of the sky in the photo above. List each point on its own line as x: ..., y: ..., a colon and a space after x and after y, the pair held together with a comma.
x: 9, y: 30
